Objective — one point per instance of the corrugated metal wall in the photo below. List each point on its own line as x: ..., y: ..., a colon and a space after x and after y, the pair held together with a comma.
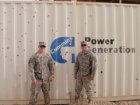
x: 23, y: 25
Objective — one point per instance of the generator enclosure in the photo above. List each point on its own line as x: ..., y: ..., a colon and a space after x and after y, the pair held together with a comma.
x: 111, y: 30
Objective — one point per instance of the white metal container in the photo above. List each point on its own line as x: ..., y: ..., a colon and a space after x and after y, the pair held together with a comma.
x: 24, y: 24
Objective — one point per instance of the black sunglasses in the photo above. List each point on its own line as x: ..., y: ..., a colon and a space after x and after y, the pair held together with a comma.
x: 83, y: 45
x: 43, y: 46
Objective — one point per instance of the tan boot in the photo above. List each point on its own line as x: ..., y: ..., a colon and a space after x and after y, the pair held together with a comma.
x: 90, y: 102
x: 76, y: 102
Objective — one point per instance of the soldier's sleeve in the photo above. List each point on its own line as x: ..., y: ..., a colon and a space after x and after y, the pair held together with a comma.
x: 51, y: 66
x: 76, y: 66
x: 31, y: 65
x: 93, y: 65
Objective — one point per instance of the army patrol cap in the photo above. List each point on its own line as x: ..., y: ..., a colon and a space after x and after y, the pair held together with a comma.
x: 42, y: 44
x: 83, y: 43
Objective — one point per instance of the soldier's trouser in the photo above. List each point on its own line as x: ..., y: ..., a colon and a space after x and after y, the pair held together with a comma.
x: 35, y: 88
x: 87, y: 84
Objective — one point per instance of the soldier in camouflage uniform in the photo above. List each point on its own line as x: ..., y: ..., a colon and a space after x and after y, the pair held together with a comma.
x: 84, y: 72
x: 42, y: 73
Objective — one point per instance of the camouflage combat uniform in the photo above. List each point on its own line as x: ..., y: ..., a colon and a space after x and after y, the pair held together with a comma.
x: 41, y: 68
x: 85, y: 68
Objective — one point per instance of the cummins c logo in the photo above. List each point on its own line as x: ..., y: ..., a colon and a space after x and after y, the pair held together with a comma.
x: 56, y: 46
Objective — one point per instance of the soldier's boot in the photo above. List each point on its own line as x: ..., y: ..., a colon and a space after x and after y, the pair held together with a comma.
x: 76, y: 102
x: 47, y: 99
x: 81, y: 99
x: 90, y: 102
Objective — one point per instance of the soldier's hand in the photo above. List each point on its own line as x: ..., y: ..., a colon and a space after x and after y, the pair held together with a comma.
x: 75, y: 76
x: 34, y: 81
x: 51, y: 78
x: 91, y: 78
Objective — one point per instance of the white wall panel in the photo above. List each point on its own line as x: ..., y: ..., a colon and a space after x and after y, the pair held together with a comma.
x: 24, y: 24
